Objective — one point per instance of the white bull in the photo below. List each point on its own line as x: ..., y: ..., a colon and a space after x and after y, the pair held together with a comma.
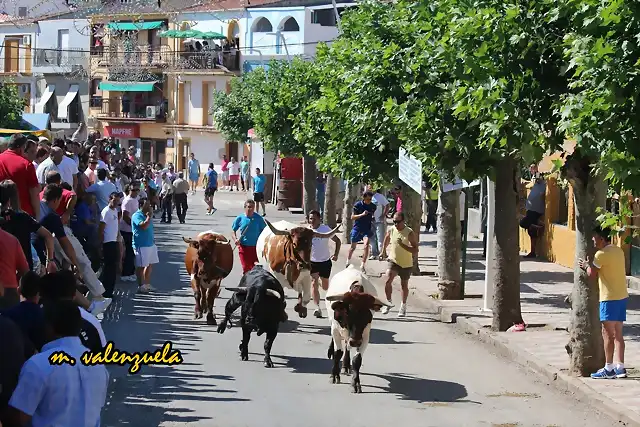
x: 351, y: 300
x: 284, y: 249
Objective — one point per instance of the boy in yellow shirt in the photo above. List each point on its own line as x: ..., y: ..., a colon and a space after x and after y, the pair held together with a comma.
x: 609, y: 266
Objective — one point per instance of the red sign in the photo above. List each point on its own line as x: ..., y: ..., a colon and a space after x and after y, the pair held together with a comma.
x: 122, y: 131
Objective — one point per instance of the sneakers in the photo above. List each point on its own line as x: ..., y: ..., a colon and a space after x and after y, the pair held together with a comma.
x: 131, y: 278
x: 620, y: 373
x: 145, y: 289
x: 385, y: 309
x: 604, y: 374
x: 403, y: 310
x: 318, y: 313
x: 99, y: 306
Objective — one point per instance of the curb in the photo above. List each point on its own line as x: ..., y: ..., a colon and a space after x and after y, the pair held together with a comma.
x: 560, y: 380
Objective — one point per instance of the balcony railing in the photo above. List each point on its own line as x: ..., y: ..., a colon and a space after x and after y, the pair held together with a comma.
x: 162, y: 57
x: 151, y: 110
x: 67, y: 58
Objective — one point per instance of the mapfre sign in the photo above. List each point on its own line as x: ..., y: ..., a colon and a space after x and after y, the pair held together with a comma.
x: 126, y: 132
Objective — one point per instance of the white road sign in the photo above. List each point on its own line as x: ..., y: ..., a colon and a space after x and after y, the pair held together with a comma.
x: 410, y: 170
x: 458, y: 184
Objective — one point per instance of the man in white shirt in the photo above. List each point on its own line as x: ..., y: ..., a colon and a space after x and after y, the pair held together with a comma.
x: 166, y: 195
x: 68, y: 168
x: 129, y: 207
x: 180, y: 190
x: 234, y: 174
x: 108, y: 234
x: 321, y: 258
x: 50, y: 164
x: 379, y: 224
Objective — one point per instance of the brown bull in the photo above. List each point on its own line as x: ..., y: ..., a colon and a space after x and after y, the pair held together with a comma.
x: 208, y: 260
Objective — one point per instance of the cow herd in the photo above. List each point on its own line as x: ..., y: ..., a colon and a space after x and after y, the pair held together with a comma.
x: 284, y: 251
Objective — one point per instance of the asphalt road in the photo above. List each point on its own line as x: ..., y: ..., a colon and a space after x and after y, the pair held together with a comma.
x: 417, y: 372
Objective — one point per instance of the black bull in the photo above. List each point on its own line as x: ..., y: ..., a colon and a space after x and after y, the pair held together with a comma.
x: 262, y: 299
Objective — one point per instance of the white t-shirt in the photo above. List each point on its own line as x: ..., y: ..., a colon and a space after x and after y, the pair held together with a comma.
x: 110, y: 218
x: 462, y: 199
x: 44, y: 168
x: 320, y: 247
x: 67, y: 169
x: 380, y: 201
x: 234, y: 168
x: 130, y: 205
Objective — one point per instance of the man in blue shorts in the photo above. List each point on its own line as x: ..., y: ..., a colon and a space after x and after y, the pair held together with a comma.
x: 212, y: 187
x: 362, y: 230
x: 609, y: 266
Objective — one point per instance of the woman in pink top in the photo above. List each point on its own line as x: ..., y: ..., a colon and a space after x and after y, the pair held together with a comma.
x: 398, y: 194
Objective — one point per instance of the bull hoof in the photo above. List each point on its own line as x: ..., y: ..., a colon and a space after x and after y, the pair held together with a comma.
x: 197, y: 315
x: 267, y: 362
x: 301, y: 310
x: 335, y: 379
x: 211, y: 319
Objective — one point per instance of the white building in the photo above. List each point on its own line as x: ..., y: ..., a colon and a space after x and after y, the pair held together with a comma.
x: 16, y: 56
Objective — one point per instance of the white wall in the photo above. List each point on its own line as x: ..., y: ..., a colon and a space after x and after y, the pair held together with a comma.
x: 47, y: 33
x: 13, y: 30
x: 272, y: 44
x: 196, y: 104
x: 35, y: 8
x: 207, y: 146
x: 314, y: 33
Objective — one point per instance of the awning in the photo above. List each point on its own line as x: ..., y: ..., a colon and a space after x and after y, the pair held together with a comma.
x: 127, y: 86
x: 35, y: 122
x: 46, y: 96
x: 63, y: 108
x: 134, y: 26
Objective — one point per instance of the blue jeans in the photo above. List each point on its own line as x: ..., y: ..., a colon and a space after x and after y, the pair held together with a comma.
x: 376, y: 241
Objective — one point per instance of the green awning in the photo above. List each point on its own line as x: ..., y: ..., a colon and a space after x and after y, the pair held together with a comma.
x: 127, y: 86
x: 134, y: 26
x: 192, y: 34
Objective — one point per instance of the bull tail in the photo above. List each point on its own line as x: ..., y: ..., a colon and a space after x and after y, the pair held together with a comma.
x: 236, y: 300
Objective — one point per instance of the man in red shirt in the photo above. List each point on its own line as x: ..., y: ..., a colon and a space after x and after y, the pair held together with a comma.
x: 14, y: 166
x: 12, y: 261
x: 68, y: 200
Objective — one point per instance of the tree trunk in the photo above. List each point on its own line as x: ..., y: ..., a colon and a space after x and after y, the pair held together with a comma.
x: 585, y: 346
x: 350, y: 195
x: 333, y: 188
x: 449, y: 245
x: 310, y: 186
x: 506, y: 298
x: 412, y: 209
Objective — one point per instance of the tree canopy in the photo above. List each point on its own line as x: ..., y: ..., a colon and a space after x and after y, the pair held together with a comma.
x: 11, y: 107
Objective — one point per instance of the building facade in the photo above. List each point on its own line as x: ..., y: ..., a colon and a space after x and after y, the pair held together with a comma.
x: 17, y: 38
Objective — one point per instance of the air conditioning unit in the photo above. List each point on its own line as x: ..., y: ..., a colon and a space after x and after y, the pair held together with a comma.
x: 23, y: 89
x: 151, y: 112
x: 26, y: 40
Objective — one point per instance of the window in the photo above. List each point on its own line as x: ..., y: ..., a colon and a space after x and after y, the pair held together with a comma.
x: 95, y: 94
x: 262, y: 25
x: 291, y: 25
x: 324, y: 17
x: 22, y: 12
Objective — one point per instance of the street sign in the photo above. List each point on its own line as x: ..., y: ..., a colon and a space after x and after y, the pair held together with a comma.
x: 458, y: 184
x: 410, y: 170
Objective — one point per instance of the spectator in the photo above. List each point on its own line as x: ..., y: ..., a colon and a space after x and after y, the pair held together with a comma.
x: 180, y: 190
x: 67, y: 202
x: 14, y: 351
x: 41, y: 154
x: 608, y: 265
x: 225, y: 172
x: 12, y: 260
x: 14, y: 166
x: 166, y: 197
x: 379, y: 224
x: 28, y: 314
x: 362, y: 226
x: 211, y: 186
x: 94, y: 153
x: 68, y: 167
x: 108, y: 238
x: 129, y: 206
x: 144, y: 248
x: 234, y: 174
x: 22, y: 226
x: 31, y: 149
x: 250, y: 225
x: 51, y: 164
x: 259, y: 182
x: 90, y: 171
x: 535, y: 208
x: 64, y: 395
x: 194, y: 172
x: 70, y: 249
x: 462, y: 200
x: 245, y: 173
x: 432, y: 207
x: 102, y: 189
x: 321, y: 190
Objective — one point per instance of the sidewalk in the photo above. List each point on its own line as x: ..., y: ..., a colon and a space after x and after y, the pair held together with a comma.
x: 544, y: 286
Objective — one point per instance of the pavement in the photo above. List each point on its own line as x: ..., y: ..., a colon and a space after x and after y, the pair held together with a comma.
x: 417, y: 371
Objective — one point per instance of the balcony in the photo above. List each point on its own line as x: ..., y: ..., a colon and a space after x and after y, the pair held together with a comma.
x: 120, y: 109
x: 162, y: 57
x: 56, y: 60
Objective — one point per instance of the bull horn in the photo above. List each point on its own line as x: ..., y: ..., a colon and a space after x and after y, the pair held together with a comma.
x: 187, y: 240
x: 273, y: 293
x: 328, y: 234
x: 224, y: 242
x: 333, y: 298
x: 275, y: 231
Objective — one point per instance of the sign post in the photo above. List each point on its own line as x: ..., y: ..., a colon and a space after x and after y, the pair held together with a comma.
x: 410, y: 170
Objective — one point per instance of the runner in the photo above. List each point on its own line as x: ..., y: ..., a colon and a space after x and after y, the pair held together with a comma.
x: 321, y: 258
x: 211, y: 177
x: 259, y: 182
x: 194, y: 172
x: 250, y: 225
x: 245, y: 173
x: 362, y: 226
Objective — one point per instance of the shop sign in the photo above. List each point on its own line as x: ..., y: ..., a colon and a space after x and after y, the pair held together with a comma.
x: 122, y: 131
